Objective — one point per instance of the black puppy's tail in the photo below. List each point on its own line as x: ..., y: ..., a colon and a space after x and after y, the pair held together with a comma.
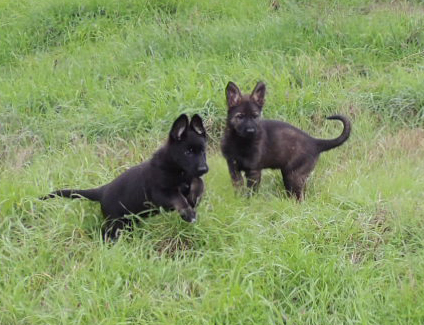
x: 324, y: 144
x: 94, y: 194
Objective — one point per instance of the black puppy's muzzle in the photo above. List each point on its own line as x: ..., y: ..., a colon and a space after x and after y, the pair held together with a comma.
x: 202, y: 170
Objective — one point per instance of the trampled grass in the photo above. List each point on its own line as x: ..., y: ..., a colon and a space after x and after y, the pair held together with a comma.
x: 89, y: 88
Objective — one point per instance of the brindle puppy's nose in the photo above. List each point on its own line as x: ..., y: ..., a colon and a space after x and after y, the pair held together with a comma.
x: 250, y: 130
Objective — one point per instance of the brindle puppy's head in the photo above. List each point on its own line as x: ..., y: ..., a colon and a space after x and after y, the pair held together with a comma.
x: 187, y: 145
x: 244, y: 111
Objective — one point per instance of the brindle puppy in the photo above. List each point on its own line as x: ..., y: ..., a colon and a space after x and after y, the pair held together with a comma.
x: 251, y: 144
x: 170, y: 179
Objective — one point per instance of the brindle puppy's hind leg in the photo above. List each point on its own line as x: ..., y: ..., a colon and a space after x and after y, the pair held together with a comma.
x: 295, y: 180
x: 294, y: 185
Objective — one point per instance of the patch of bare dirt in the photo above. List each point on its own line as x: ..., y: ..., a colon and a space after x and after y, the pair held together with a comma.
x: 172, y: 246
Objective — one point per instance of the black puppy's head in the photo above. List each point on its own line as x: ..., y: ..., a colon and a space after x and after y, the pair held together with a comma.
x: 188, y: 145
x: 244, y: 111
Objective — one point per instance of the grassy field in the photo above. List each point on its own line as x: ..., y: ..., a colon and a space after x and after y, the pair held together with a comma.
x: 89, y: 88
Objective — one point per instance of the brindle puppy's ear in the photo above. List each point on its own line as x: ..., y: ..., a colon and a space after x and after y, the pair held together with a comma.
x: 196, y: 125
x: 233, y: 95
x: 179, y: 127
x: 258, y: 94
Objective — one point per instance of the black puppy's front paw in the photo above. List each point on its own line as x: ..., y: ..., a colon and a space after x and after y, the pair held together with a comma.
x: 185, y: 189
x: 188, y: 215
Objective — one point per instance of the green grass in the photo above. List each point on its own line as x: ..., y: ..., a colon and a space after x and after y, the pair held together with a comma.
x: 89, y: 88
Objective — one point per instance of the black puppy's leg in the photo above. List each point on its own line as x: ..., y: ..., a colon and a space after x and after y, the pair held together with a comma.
x: 196, y: 191
x: 175, y: 201
x: 185, y: 189
x: 253, y: 179
x: 235, y: 174
x: 113, y: 228
x: 185, y: 210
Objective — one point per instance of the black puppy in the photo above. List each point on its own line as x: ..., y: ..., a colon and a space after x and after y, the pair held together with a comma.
x: 251, y: 144
x: 170, y: 179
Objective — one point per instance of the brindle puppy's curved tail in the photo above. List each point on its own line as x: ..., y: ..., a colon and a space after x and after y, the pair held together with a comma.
x: 324, y: 144
x: 94, y: 194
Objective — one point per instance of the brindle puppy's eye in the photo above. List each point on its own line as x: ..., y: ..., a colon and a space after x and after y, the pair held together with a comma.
x: 240, y: 116
x: 255, y: 116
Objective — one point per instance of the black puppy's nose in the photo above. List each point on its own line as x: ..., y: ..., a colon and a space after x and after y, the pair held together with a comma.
x: 203, y: 169
x: 250, y: 130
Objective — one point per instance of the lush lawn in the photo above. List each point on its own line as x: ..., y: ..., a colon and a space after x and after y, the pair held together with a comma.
x: 89, y: 88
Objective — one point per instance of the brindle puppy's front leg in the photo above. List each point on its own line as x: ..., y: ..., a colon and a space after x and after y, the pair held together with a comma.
x: 235, y: 173
x: 253, y: 179
x: 175, y: 201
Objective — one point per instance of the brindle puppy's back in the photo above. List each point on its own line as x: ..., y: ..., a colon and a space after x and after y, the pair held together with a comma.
x: 251, y: 144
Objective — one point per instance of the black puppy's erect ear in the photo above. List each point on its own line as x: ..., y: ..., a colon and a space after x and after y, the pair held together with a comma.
x: 196, y: 125
x: 233, y: 95
x: 258, y: 94
x: 179, y: 127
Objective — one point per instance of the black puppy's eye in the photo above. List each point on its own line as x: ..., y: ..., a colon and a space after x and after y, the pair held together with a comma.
x: 256, y: 115
x: 240, y: 116
x: 189, y: 152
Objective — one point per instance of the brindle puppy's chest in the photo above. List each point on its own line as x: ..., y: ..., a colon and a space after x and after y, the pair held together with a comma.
x: 246, y: 157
